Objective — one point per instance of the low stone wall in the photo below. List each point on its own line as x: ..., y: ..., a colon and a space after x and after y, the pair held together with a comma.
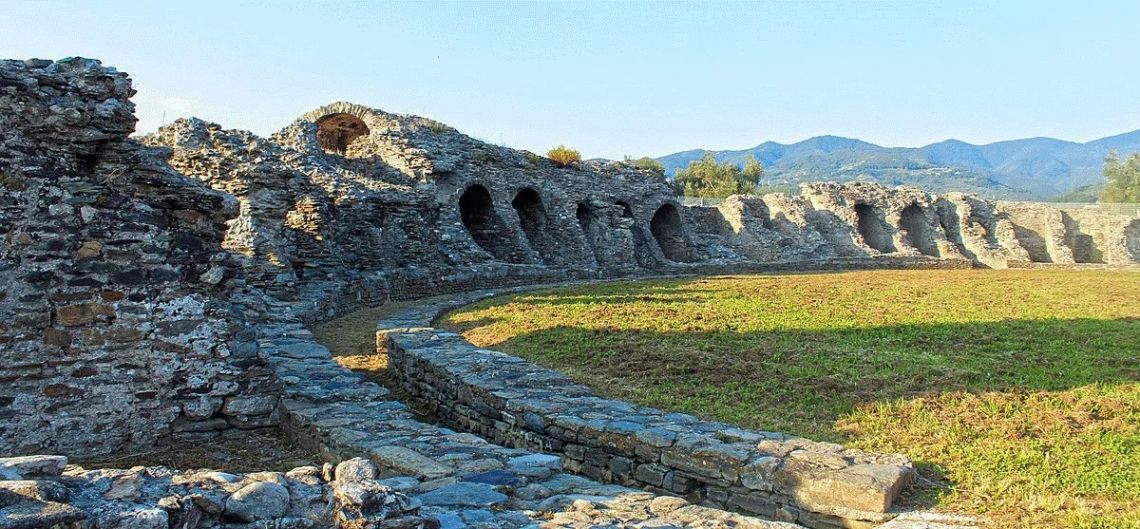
x: 459, y: 479
x: 516, y: 403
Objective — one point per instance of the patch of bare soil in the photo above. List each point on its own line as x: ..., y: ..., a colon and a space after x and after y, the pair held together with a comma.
x: 264, y: 449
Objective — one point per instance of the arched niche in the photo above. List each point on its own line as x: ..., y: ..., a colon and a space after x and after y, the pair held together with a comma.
x: 918, y: 231
x: 873, y: 229
x: 335, y: 132
x: 532, y: 218
x: 477, y: 211
x: 669, y: 233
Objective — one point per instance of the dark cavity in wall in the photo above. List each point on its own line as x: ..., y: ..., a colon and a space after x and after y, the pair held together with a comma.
x: 949, y: 221
x: 1132, y: 240
x: 641, y: 251
x: 873, y: 229
x: 1034, y: 243
x: 585, y: 215
x: 478, y: 214
x: 759, y: 209
x: 1086, y: 246
x: 666, y: 228
x: 532, y: 219
x: 335, y: 132
x: 918, y: 231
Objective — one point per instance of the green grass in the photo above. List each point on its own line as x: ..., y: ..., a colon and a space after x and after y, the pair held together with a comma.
x: 1015, y: 391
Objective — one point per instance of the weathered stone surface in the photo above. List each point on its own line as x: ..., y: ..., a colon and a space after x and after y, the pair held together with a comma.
x: 865, y: 487
x: 145, y: 519
x: 258, y: 501
x: 356, y: 469
x: 106, y: 241
x: 536, y: 465
x: 464, y: 495
x: 32, y: 466
x: 368, y: 499
x: 249, y: 405
x: 35, y: 515
x: 126, y: 487
x: 42, y: 490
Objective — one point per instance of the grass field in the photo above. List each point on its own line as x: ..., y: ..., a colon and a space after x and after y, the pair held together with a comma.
x: 1017, y: 392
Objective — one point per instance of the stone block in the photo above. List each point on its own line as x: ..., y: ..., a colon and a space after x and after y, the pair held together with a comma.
x: 536, y: 465
x: 870, y: 488
x: 249, y: 405
x: 34, y: 466
x: 258, y: 501
x: 356, y: 469
x: 409, y: 461
x: 650, y: 474
x: 464, y: 494
x: 83, y: 314
x: 26, y: 489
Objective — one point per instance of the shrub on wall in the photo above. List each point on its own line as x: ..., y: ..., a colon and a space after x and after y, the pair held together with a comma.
x: 563, y: 156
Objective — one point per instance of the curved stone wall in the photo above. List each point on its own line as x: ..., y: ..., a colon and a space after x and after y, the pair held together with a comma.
x: 456, y: 478
x: 514, y: 402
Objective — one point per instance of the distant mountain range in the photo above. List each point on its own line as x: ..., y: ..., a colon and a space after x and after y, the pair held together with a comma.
x: 1031, y: 169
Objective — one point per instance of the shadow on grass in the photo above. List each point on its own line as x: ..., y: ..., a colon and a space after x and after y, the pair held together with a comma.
x: 878, y: 363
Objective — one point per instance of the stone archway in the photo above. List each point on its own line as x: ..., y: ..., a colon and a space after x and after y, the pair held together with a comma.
x: 667, y: 229
x: 873, y: 229
x: 532, y: 219
x: 335, y: 132
x: 917, y: 230
x: 477, y: 211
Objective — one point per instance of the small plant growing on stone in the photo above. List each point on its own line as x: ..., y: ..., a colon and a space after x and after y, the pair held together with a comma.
x: 486, y: 157
x: 13, y: 183
x: 437, y: 127
x: 563, y: 156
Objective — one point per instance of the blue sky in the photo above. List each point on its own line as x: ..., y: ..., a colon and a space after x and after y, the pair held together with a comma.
x: 617, y: 78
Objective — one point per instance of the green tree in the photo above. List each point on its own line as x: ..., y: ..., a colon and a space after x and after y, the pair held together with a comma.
x: 752, y: 172
x: 1123, y: 179
x: 707, y: 178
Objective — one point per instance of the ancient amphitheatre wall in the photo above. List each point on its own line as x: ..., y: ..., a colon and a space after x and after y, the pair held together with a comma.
x: 144, y: 279
x: 116, y: 251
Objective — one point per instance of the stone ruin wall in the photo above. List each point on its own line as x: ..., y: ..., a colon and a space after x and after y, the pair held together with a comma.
x: 862, y: 220
x: 114, y: 325
x: 136, y: 270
